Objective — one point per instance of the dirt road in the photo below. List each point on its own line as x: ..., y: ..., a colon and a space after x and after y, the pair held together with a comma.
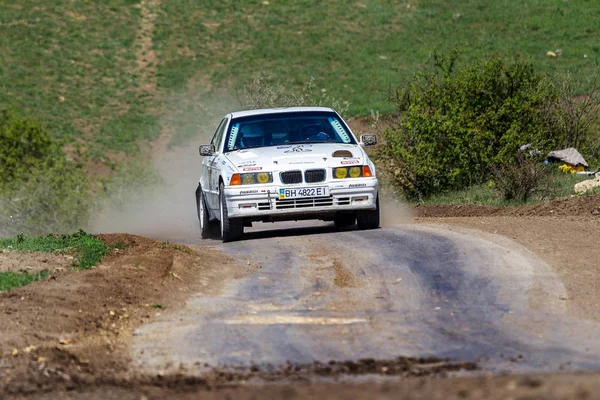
x: 317, y: 294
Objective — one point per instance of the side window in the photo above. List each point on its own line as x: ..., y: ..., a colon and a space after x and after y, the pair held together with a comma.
x: 216, y: 140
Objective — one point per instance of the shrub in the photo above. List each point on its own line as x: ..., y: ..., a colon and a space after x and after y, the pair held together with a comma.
x: 40, y: 191
x: 521, y: 179
x: 23, y: 143
x: 578, y: 116
x: 455, y: 123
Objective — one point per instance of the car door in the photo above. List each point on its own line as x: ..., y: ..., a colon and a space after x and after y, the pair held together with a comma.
x: 213, y: 167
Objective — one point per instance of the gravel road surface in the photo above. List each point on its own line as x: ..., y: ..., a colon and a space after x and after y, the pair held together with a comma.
x: 313, y: 293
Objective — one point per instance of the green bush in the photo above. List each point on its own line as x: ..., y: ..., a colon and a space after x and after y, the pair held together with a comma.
x: 23, y: 143
x: 456, y: 122
x: 40, y: 191
x: 523, y: 178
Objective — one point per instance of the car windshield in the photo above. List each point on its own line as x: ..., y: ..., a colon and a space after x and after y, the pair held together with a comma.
x: 286, y: 128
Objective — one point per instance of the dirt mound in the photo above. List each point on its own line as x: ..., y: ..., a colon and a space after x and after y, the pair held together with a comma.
x: 80, y: 320
x: 12, y: 261
x: 583, y: 206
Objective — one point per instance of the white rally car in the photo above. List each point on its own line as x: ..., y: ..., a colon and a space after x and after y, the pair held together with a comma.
x: 285, y: 164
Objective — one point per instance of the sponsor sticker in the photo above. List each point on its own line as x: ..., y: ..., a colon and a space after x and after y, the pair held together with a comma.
x: 357, y: 185
x: 252, y: 169
x: 350, y: 162
x: 248, y: 191
x: 298, y: 149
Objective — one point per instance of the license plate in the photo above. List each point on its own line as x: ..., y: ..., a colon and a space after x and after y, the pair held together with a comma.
x: 299, y: 193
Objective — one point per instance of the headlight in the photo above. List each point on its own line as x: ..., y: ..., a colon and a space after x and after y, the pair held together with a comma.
x: 340, y: 173
x: 263, y: 177
x: 251, y: 179
x: 362, y: 171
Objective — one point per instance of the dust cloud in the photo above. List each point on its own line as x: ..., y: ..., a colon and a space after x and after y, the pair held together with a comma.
x: 394, y: 212
x: 168, y: 211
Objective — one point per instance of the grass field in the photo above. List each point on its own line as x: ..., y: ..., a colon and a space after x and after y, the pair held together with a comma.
x: 76, y: 64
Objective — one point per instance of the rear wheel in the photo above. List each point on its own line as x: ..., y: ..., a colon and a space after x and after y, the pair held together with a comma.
x: 231, y: 228
x: 342, y: 221
x: 369, y: 219
x: 208, y: 229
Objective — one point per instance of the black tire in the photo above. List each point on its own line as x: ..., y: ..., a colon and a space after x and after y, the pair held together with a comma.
x: 342, y: 221
x: 369, y: 219
x: 232, y: 229
x: 208, y: 228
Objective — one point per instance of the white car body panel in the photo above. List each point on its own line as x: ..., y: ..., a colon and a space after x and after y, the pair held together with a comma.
x: 261, y: 202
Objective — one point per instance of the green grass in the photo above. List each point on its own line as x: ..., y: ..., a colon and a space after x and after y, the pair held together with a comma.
x: 12, y: 280
x: 73, y: 63
x: 355, y: 50
x: 561, y: 186
x: 87, y: 249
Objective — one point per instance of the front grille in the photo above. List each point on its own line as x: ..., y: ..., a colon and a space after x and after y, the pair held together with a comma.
x: 303, y: 203
x: 290, y: 177
x: 343, y: 201
x: 314, y: 175
x: 264, y: 206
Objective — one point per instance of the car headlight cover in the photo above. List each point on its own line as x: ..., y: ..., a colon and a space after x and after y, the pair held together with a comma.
x: 251, y: 179
x: 359, y: 171
x: 264, y: 177
x: 340, y: 173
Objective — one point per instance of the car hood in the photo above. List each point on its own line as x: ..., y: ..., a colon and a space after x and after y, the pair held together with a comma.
x: 286, y: 157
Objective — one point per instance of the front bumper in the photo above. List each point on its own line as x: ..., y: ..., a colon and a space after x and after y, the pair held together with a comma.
x: 262, y: 201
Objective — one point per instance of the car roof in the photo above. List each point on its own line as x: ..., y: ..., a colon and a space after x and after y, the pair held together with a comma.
x: 247, y: 113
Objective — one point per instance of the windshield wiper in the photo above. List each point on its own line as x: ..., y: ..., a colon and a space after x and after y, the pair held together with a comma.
x: 254, y: 147
x: 308, y: 142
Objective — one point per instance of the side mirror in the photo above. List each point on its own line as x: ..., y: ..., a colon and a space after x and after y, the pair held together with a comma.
x: 368, y: 140
x: 206, y: 150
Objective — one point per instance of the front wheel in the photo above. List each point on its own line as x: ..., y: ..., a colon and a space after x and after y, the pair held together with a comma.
x: 208, y: 228
x: 232, y: 229
x: 369, y: 219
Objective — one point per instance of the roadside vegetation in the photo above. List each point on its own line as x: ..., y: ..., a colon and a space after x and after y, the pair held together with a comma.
x: 87, y: 250
x: 555, y: 185
x: 11, y: 280
x: 41, y: 190
x: 463, y: 125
